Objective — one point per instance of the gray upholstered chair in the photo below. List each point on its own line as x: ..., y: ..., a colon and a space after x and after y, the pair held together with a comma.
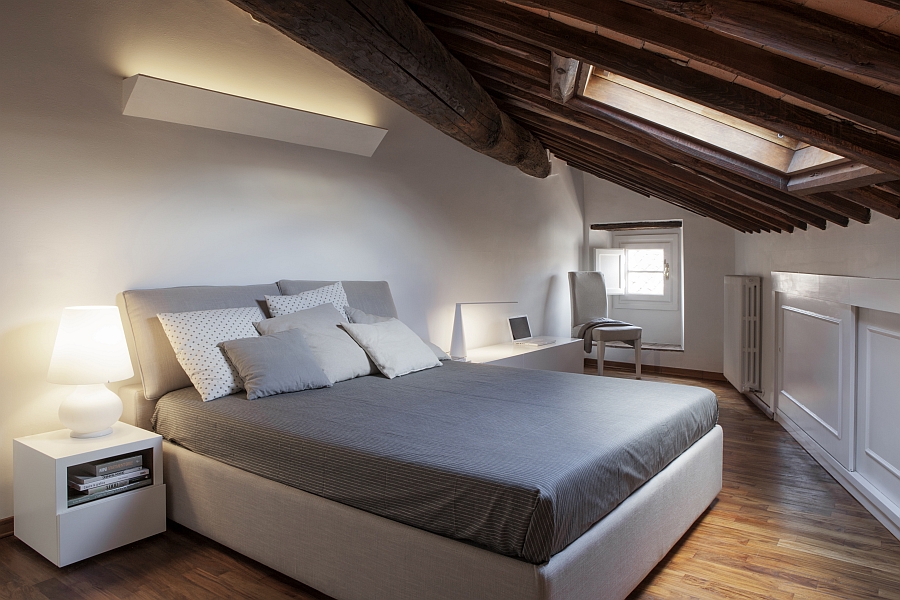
x: 589, y: 301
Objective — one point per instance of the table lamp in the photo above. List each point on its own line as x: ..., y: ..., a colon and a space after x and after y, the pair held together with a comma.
x: 90, y: 351
x: 458, y: 349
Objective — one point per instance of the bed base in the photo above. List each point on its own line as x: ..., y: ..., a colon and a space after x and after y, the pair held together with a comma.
x: 350, y: 554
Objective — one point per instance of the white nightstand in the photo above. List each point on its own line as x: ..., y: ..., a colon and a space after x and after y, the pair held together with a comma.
x: 66, y: 535
x: 566, y: 355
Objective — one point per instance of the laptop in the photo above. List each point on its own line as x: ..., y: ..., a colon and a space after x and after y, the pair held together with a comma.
x: 521, y: 333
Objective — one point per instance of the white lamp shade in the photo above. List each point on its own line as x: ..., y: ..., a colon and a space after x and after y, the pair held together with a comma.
x: 90, y: 347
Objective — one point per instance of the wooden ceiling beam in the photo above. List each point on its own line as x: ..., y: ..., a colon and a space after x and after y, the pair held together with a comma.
x: 384, y: 44
x: 794, y: 30
x: 591, y: 146
x: 836, y: 136
x: 539, y: 73
x: 657, y: 191
x: 840, y: 205
x: 847, y: 98
x: 879, y: 201
x: 891, y: 187
x: 610, y: 125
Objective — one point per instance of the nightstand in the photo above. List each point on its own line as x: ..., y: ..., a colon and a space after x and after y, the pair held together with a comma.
x: 64, y: 534
x: 566, y: 355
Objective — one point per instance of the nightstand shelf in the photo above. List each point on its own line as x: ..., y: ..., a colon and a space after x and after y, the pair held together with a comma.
x: 63, y: 534
x: 566, y: 355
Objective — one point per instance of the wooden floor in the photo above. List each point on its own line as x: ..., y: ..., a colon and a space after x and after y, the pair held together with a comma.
x: 781, y: 528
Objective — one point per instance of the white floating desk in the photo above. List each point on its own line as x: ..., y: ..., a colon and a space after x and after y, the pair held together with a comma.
x: 566, y: 355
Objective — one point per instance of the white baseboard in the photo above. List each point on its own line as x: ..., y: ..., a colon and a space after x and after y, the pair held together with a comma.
x: 887, y: 513
x: 760, y: 404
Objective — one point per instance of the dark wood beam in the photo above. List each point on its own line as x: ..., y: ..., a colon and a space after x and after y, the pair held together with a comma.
x: 635, y: 225
x: 592, y: 147
x: 563, y: 75
x: 895, y: 4
x: 643, y: 136
x: 794, y: 30
x: 840, y: 205
x: 539, y: 73
x: 837, y: 136
x: 385, y: 45
x: 879, y: 201
x: 892, y: 187
x: 844, y: 97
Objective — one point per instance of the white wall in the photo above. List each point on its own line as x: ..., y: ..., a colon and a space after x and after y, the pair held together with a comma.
x: 93, y: 203
x: 708, y: 256
x: 857, y: 250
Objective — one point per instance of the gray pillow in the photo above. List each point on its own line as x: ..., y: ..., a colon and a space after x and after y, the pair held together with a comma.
x: 275, y: 364
x: 363, y: 318
x: 339, y: 356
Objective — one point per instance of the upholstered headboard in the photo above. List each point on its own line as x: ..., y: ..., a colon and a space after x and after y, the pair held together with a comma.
x: 158, y: 367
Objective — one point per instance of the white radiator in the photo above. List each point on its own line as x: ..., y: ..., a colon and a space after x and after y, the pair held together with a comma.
x: 743, y: 332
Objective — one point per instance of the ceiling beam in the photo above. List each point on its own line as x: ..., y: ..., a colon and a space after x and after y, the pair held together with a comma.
x: 877, y: 200
x: 838, y: 136
x: 385, y: 45
x: 842, y: 206
x: 847, y: 98
x: 895, y: 4
x: 839, y: 177
x: 792, y: 29
x: 649, y: 139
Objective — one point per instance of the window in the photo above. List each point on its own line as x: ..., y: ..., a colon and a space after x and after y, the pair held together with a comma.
x: 643, y: 269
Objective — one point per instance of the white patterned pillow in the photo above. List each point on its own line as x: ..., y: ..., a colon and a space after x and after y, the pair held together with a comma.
x: 285, y: 305
x: 195, y: 337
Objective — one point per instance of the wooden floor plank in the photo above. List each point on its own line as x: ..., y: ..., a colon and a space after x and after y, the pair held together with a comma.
x: 780, y: 528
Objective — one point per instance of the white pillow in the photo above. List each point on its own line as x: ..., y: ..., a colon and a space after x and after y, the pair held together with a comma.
x: 393, y: 347
x: 339, y: 356
x: 357, y: 316
x: 285, y: 305
x: 195, y: 337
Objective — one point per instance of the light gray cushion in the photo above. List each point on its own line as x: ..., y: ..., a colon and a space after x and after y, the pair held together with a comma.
x: 339, y: 356
x: 275, y: 364
x: 195, y: 337
x: 160, y: 371
x: 327, y: 294
x: 373, y: 297
x: 393, y: 347
x: 357, y: 316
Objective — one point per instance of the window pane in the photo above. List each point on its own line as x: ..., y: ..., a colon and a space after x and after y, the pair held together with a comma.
x: 645, y: 260
x: 650, y: 284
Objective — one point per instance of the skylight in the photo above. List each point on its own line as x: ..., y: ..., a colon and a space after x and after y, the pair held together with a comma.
x: 757, y: 144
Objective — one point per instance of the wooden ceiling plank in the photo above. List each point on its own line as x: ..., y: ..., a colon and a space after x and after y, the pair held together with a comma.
x: 889, y: 3
x: 847, y: 98
x: 740, y: 205
x: 892, y: 187
x: 550, y: 134
x: 385, y: 45
x: 849, y: 209
x: 794, y: 30
x: 611, y: 124
x: 883, y: 202
x: 650, y: 69
x: 539, y: 73
x: 436, y: 20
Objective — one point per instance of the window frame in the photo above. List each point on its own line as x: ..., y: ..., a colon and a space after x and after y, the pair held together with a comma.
x: 670, y: 243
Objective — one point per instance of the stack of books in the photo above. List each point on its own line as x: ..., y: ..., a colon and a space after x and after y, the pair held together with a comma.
x: 92, y: 481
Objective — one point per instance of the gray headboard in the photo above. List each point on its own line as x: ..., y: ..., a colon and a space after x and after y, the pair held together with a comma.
x: 159, y: 369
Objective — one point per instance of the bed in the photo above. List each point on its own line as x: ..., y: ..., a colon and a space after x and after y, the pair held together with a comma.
x: 465, y: 481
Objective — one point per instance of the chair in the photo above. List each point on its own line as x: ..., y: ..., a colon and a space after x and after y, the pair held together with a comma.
x: 589, y: 301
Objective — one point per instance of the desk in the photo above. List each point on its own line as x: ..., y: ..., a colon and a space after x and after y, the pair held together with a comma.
x: 566, y: 355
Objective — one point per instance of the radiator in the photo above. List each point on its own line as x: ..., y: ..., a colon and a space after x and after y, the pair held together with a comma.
x: 743, y: 332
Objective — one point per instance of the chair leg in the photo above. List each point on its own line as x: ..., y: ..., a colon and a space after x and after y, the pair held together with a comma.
x: 637, y: 358
x: 601, y: 354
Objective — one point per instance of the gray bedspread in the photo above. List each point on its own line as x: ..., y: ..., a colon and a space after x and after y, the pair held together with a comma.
x: 520, y: 462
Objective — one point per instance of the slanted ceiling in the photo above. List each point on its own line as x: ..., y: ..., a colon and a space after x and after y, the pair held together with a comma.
x: 789, y: 109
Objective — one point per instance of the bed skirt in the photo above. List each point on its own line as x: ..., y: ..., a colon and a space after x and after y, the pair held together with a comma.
x: 350, y: 554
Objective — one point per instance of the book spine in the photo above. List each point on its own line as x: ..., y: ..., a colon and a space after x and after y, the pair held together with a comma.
x: 114, y: 486
x: 83, y: 480
x: 116, y: 465
x: 89, y: 498
x: 109, y: 479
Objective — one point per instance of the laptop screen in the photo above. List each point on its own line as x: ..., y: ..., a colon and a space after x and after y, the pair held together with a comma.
x: 519, y: 328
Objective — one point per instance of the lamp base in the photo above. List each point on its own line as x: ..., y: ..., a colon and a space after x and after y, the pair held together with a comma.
x: 90, y: 411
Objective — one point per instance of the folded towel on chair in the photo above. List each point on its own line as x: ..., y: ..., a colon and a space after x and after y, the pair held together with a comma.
x: 587, y: 330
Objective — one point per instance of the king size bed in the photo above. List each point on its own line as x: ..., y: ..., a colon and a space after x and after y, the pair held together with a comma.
x: 465, y: 481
